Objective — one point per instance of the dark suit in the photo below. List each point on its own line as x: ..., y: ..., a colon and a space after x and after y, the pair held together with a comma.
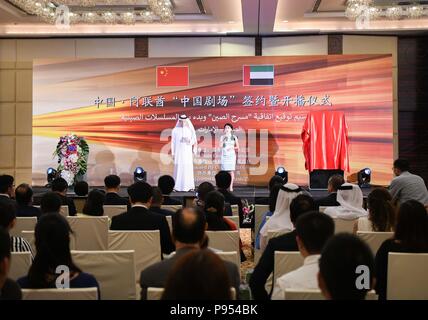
x: 70, y: 203
x: 230, y: 198
x: 167, y: 200
x: 329, y: 201
x: 264, y: 268
x: 161, y: 211
x: 140, y: 218
x: 156, y: 275
x: 27, y: 211
x: 7, y: 200
x: 113, y: 199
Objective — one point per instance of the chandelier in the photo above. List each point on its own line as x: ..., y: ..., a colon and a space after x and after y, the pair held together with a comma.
x: 99, y: 11
x: 395, y: 11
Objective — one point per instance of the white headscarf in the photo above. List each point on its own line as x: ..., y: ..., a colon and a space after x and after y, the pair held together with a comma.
x: 280, y: 220
x: 186, y: 121
x: 350, y: 198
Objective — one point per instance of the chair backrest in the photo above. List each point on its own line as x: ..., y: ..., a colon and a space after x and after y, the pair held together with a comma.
x: 274, y: 234
x: 260, y: 210
x: 322, y: 209
x: 224, y: 240
x: 169, y: 220
x: 374, y: 239
x: 146, y: 245
x: 60, y: 294
x: 407, y: 279
x: 20, y: 264
x: 235, y: 220
x: 79, y: 203
x: 23, y: 223
x: 235, y: 210
x: 231, y: 257
x: 172, y: 207
x: 315, y: 294
x: 111, y: 211
x: 156, y: 293
x: 90, y: 233
x: 114, y: 271
x: 64, y: 211
x: 285, y: 262
x: 29, y: 236
x: 342, y: 225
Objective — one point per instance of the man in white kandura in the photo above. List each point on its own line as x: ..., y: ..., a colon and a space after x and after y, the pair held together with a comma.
x: 183, y: 145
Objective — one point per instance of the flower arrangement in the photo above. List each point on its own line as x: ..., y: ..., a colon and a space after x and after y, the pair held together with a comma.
x: 72, y: 152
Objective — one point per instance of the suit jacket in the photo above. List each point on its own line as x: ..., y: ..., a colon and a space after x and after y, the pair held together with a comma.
x: 7, y: 200
x: 27, y: 211
x: 155, y: 276
x: 328, y: 201
x: 70, y: 203
x: 264, y: 268
x: 140, y: 218
x: 232, y: 200
x: 113, y: 199
x: 167, y: 200
x: 161, y: 211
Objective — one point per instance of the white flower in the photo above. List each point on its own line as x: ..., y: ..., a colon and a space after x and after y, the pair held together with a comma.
x: 68, y: 176
x: 73, y: 158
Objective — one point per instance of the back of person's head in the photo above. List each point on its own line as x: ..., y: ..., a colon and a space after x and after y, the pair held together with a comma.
x: 50, y: 202
x: 6, y: 182
x: 275, y: 180
x: 402, y: 165
x: 381, y: 210
x: 314, y: 229
x: 299, y: 205
x: 112, y: 181
x: 140, y: 192
x: 81, y: 188
x: 52, y: 240
x: 412, y: 226
x: 4, y: 253
x: 223, y: 179
x: 273, y: 197
x: 59, y: 185
x: 214, y: 203
x: 94, y: 204
x: 198, y: 275
x: 7, y: 215
x: 166, y: 183
x: 334, y: 182
x: 188, y: 225
x: 340, y: 258
x: 203, y: 190
x: 24, y: 194
x: 157, y: 198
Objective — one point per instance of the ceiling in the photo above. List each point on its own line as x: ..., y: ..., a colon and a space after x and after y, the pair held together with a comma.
x: 225, y: 17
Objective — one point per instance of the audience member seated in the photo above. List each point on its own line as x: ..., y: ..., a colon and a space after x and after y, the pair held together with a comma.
x: 112, y: 186
x: 166, y: 184
x: 214, y: 211
x: 94, y: 204
x: 223, y: 179
x: 350, y: 198
x: 24, y: 201
x: 59, y: 185
x: 9, y: 289
x: 313, y: 229
x: 7, y: 189
x: 8, y: 221
x: 273, y: 196
x: 280, y: 220
x: 203, y: 189
x: 52, y: 238
x: 287, y: 242
x: 50, y: 203
x: 275, y: 180
x: 407, y: 186
x: 81, y: 188
x: 157, y: 201
x: 188, y: 229
x: 198, y: 275
x: 381, y: 216
x: 334, y: 182
x: 339, y: 260
x: 139, y: 217
x: 411, y: 235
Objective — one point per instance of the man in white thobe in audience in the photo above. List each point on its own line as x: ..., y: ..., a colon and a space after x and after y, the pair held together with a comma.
x: 350, y: 198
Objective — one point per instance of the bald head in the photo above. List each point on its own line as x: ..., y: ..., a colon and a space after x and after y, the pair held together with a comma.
x: 188, y: 226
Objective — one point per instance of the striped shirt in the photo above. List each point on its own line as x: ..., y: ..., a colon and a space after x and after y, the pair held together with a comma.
x: 19, y: 244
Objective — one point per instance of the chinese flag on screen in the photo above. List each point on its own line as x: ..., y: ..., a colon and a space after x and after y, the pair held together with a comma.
x: 172, y: 76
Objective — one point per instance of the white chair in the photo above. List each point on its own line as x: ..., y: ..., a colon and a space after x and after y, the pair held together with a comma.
x: 63, y: 210
x: 303, y: 294
x: 172, y: 207
x: 29, y: 236
x: 235, y: 210
x: 232, y: 256
x: 234, y: 219
x: 274, y: 234
x: 224, y: 240
x: 111, y: 211
x: 114, y: 271
x: 285, y: 262
x: 146, y: 245
x: 322, y: 209
x: 260, y: 210
x: 60, y: 294
x: 374, y: 239
x: 156, y: 293
x: 342, y: 225
x: 407, y: 279
x: 169, y: 220
x: 20, y: 264
x: 90, y: 233
x: 23, y: 223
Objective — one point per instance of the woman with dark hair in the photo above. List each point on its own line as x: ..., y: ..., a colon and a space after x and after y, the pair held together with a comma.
x: 214, y: 212
x: 411, y: 235
x: 229, y: 146
x: 381, y: 216
x: 198, y: 275
x: 52, y: 239
x: 94, y: 203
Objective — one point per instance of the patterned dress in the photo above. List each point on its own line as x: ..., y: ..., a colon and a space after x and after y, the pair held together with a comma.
x: 228, y: 154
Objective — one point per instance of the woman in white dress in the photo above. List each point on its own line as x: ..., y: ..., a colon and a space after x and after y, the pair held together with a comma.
x: 183, y: 146
x: 229, y: 147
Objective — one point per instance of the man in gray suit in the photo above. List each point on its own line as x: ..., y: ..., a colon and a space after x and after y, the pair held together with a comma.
x: 188, y: 230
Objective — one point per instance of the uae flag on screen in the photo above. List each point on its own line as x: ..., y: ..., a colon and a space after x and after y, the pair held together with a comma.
x: 172, y: 76
x: 259, y: 75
